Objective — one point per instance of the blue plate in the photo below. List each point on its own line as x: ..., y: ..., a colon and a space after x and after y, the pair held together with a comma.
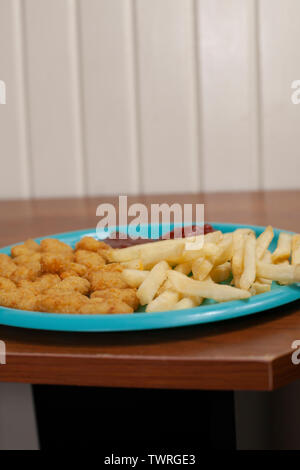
x: 206, y: 313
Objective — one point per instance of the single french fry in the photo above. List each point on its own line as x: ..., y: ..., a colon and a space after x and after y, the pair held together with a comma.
x: 296, y: 249
x: 209, y: 249
x: 186, y: 302
x: 263, y: 242
x: 166, y: 285
x: 206, y: 289
x: 224, y: 250
x: 165, y: 301
x: 201, y: 268
x: 237, y: 262
x: 249, y: 272
x: 130, y: 253
x: 285, y: 273
x: 221, y: 272
x: 184, y: 268
x: 134, y: 277
x: 259, y: 288
x: 147, y: 290
x: 267, y: 258
x: 134, y: 264
x: 169, y: 253
x: 284, y: 247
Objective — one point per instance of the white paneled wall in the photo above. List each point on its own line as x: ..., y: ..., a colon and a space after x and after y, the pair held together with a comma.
x: 129, y: 96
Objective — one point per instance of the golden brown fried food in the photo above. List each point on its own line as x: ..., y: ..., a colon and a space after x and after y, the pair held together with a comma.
x: 113, y: 267
x: 41, y: 284
x: 73, y: 283
x: 7, y: 266
x: 28, y: 272
x: 89, y: 259
x: 61, y: 302
x: 27, y: 248
x: 6, y: 284
x: 52, y: 278
x: 52, y: 245
x: 74, y: 269
x: 19, y: 298
x: 102, y: 279
x: 90, y: 244
x: 105, y: 306
x: 27, y: 259
x: 54, y: 263
x: 127, y: 295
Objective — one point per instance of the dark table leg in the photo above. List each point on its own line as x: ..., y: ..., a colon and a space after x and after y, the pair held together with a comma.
x: 86, y: 417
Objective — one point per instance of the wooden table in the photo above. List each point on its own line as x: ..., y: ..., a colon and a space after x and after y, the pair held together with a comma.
x: 251, y: 353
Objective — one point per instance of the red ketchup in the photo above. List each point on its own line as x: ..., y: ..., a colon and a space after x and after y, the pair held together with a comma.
x: 185, y: 232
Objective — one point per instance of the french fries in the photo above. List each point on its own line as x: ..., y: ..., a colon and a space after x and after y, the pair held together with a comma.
x: 184, y: 268
x: 296, y: 249
x: 249, y: 272
x: 285, y: 273
x: 208, y: 289
x: 186, y: 302
x: 201, y: 268
x: 168, y: 276
x: 134, y: 277
x: 221, y: 273
x: 259, y: 288
x: 165, y: 301
x: 263, y: 242
x: 134, y: 264
x: 284, y: 247
x: 147, y: 290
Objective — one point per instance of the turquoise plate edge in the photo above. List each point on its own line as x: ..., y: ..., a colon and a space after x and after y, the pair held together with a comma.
x: 145, y: 321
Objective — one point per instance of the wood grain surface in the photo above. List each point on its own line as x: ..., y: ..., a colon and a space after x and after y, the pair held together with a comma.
x: 251, y: 353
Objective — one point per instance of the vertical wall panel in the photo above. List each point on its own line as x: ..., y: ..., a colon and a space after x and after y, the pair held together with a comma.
x: 52, y: 95
x: 14, y: 180
x: 280, y: 66
x: 167, y: 98
x: 107, y: 52
x: 227, y: 61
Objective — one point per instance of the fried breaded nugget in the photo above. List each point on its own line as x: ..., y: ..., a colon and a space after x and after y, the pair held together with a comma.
x: 19, y: 298
x: 74, y: 269
x: 89, y: 258
x: 6, y: 284
x: 102, y: 279
x: 7, y: 266
x: 73, y: 283
x: 90, y: 244
x: 112, y: 267
x: 27, y: 248
x: 26, y: 259
x: 54, y: 263
x: 27, y: 272
x: 127, y: 295
x: 52, y: 245
x: 61, y: 302
x: 102, y: 306
x: 41, y: 284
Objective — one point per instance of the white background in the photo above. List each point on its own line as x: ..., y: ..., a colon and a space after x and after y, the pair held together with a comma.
x: 153, y: 96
